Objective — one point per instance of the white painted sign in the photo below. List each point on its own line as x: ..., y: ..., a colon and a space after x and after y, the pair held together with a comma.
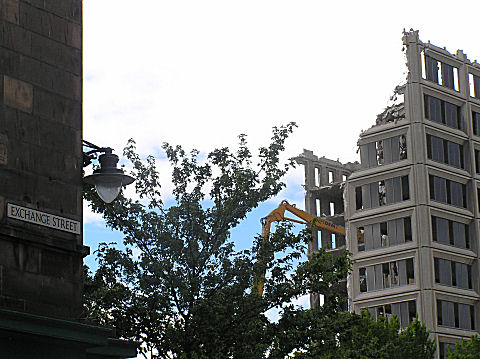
x: 42, y: 218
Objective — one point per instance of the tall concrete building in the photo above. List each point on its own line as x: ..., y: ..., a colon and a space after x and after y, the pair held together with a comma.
x: 415, y: 199
x: 41, y: 242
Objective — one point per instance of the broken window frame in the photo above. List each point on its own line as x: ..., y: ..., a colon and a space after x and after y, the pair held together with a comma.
x: 405, y: 311
x: 384, y: 151
x: 362, y: 277
x: 386, y: 275
x: 474, y: 85
x: 393, y: 232
x: 440, y: 72
x: 384, y: 192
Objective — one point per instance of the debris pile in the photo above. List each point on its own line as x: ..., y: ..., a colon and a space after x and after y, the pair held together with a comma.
x: 396, y: 111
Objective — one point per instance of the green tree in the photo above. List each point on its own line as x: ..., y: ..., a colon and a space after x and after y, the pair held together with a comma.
x: 180, y: 287
x: 466, y: 349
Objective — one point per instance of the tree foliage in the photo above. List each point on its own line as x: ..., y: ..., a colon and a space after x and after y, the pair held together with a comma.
x: 179, y: 286
x: 465, y: 349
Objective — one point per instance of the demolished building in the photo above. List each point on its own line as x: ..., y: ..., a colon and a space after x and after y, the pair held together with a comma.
x: 324, y: 185
x: 416, y: 199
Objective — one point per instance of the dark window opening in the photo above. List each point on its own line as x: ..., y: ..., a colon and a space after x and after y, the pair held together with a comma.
x: 469, y: 277
x: 472, y: 317
x: 444, y: 151
x: 443, y: 112
x: 455, y: 315
x: 474, y: 85
x: 405, y: 188
x: 407, y: 227
x: 403, y: 147
x: 447, y: 191
x: 363, y: 279
x: 454, y: 273
x: 431, y: 69
x: 476, y: 123
x: 410, y: 271
x: 439, y: 312
x: 383, y: 234
x: 478, y: 198
x: 382, y: 194
x: 450, y: 232
x: 358, y: 198
x: 477, y: 161
x: 361, y: 239
x: 379, y: 147
x: 412, y: 310
x: 447, y: 76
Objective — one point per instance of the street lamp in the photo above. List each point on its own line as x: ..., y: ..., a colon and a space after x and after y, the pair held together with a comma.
x: 108, y: 179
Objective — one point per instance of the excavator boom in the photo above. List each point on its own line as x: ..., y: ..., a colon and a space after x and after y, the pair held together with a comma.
x: 278, y: 215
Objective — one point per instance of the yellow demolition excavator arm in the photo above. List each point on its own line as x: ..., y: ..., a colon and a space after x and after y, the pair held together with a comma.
x: 278, y: 215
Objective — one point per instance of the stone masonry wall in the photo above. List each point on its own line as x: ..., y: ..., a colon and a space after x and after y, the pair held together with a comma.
x: 41, y: 153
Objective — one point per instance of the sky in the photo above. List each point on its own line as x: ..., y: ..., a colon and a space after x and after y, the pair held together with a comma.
x: 199, y: 73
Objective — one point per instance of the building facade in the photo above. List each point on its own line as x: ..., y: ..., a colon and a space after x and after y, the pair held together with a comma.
x: 324, y: 186
x: 41, y: 242
x: 416, y: 200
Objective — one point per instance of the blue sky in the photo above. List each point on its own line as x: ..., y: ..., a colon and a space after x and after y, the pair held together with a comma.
x: 198, y: 73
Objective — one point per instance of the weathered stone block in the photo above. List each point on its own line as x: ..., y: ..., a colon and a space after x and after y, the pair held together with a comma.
x: 2, y: 207
x: 16, y: 38
x: 3, y: 149
x: 9, y: 10
x: 17, y: 94
x: 55, y: 53
x: 57, y: 108
x: 74, y: 35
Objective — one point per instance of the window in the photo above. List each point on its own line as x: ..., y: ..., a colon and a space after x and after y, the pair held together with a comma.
x: 361, y: 239
x: 474, y: 85
x: 383, y: 152
x: 447, y: 191
x: 450, y: 232
x: 443, y: 112
x: 477, y: 161
x: 330, y: 177
x: 385, y: 234
x: 444, y: 347
x: 455, y: 315
x: 445, y: 74
x: 386, y: 275
x: 444, y: 151
x: 405, y: 311
x: 384, y: 192
x: 476, y: 123
x: 363, y: 279
x: 452, y: 273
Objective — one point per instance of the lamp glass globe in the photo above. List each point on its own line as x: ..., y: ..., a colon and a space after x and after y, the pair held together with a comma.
x: 108, y: 191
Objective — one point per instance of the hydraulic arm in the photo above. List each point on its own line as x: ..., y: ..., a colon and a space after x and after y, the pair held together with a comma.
x: 278, y: 215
